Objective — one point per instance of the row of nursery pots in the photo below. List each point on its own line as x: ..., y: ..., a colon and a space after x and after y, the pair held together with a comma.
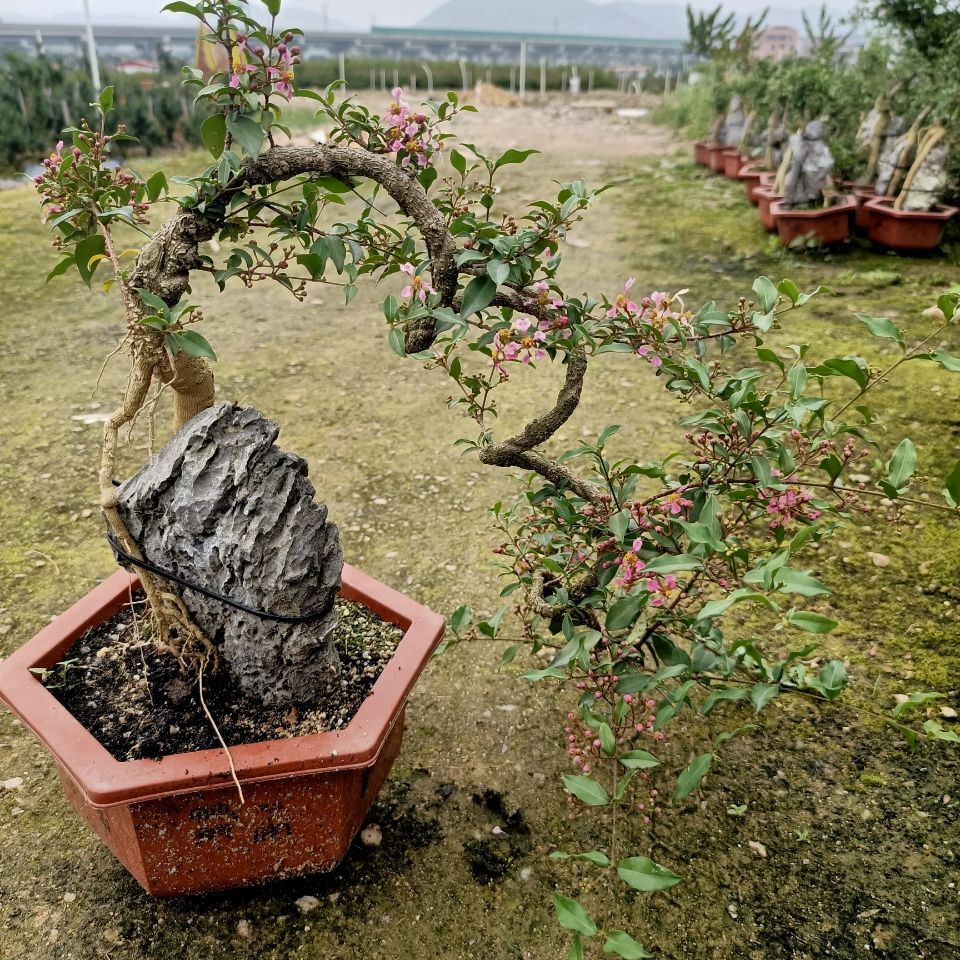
x: 905, y: 231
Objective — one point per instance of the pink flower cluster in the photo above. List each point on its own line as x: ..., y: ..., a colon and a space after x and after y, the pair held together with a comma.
x: 409, y: 134
x: 785, y: 506
x: 521, y: 342
x: 268, y: 75
x: 653, y: 311
x: 418, y: 288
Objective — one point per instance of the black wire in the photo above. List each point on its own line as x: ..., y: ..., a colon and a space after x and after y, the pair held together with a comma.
x: 124, y: 557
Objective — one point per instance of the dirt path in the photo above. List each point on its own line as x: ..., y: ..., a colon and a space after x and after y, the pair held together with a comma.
x: 861, y: 835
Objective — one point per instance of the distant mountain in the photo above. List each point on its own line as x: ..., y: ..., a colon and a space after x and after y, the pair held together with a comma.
x: 624, y: 18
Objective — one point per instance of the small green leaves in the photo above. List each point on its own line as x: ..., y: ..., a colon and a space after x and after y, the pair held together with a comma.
x: 882, y: 327
x: 643, y: 874
x: 193, y: 344
x: 513, y: 156
x: 625, y: 610
x: 951, y: 486
x: 498, y: 271
x: 937, y: 731
x: 88, y: 254
x: 691, y: 775
x: 397, y: 342
x: 639, y: 760
x: 572, y: 916
x: 105, y: 100
x: 461, y: 619
x: 213, y: 133
x: 247, y: 133
x: 477, y: 296
x: 595, y: 857
x: 810, y: 622
x: 586, y: 789
x: 767, y: 294
x: 913, y: 701
x: 619, y: 523
x: 623, y: 945
x: 901, y: 467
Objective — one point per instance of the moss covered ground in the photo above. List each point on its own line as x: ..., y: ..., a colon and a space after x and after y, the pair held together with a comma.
x: 860, y: 833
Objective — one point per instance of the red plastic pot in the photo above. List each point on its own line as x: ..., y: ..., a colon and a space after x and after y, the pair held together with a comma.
x: 906, y: 230
x: 765, y: 197
x: 862, y: 193
x: 733, y: 160
x: 178, y: 825
x: 715, y: 158
x: 828, y: 224
x: 700, y: 153
x: 752, y: 178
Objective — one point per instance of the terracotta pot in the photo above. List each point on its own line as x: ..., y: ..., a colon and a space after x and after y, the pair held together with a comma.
x: 715, y: 159
x: 828, y: 224
x: 751, y: 178
x: 733, y: 160
x: 700, y: 153
x: 906, y: 230
x: 178, y: 825
x: 765, y: 197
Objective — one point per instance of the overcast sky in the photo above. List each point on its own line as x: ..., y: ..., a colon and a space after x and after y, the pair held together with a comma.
x: 386, y: 12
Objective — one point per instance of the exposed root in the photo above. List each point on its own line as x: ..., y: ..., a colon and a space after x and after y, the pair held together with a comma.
x: 216, y: 730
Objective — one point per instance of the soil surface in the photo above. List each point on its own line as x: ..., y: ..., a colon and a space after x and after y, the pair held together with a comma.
x: 820, y: 834
x: 140, y: 704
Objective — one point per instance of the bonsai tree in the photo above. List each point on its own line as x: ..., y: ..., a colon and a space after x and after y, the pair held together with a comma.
x: 624, y: 569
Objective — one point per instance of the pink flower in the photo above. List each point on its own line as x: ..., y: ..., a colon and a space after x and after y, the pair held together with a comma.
x: 623, y: 304
x: 417, y: 288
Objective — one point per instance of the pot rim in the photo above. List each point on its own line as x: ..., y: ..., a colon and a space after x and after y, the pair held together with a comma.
x: 106, y: 781
x: 844, y: 204
x: 884, y: 206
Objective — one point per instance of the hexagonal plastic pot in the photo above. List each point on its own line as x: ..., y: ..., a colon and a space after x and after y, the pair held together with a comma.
x: 909, y: 231
x: 754, y: 177
x: 828, y: 224
x: 715, y: 158
x: 700, y: 153
x: 178, y: 824
x: 765, y: 197
x: 733, y: 160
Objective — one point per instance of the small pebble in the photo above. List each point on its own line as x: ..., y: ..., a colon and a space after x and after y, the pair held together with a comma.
x: 371, y: 835
x: 758, y: 848
x: 243, y: 929
x: 69, y: 897
x: 14, y: 783
x: 307, y: 903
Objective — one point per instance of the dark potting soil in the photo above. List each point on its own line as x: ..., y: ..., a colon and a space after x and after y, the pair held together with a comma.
x: 139, y: 703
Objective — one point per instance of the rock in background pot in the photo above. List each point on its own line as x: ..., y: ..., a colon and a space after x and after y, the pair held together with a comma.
x: 906, y: 230
x: 178, y: 825
x: 828, y: 224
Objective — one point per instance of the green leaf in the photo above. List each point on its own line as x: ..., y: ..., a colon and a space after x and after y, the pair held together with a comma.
x: 195, y: 345
x: 728, y: 693
x: 716, y: 607
x: 797, y: 378
x: 853, y: 368
x: 572, y: 916
x: 156, y: 185
x: 623, y: 945
x: 789, y: 289
x: 459, y: 162
x: 624, y: 611
x: 178, y: 6
x: 882, y: 327
x: 247, y: 133
x: 498, y: 271
x: 691, y: 775
x: 513, y: 156
x: 951, y: 486
x: 461, y: 619
x: 86, y: 250
x: 935, y: 729
x: 273, y: 7
x: 639, y: 760
x: 915, y: 700
x: 62, y: 267
x: 762, y: 693
x: 595, y: 857
x: 766, y: 292
x: 213, y: 133
x: 619, y: 523
x: 576, y: 949
x: 643, y: 874
x: 945, y: 360
x: 832, y: 679
x: 478, y: 295
x: 586, y: 789
x: 810, y: 622
x: 398, y: 342
x: 608, y: 742
x: 902, y: 464
x: 152, y: 300
x: 105, y: 100
x: 672, y: 563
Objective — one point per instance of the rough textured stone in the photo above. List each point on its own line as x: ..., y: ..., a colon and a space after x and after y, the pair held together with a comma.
x: 891, y: 154
x: 734, y: 124
x: 810, y: 167
x: 222, y: 506
x: 930, y: 181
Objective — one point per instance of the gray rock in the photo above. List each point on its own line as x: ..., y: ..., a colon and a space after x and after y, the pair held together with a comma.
x: 810, y: 167
x: 891, y: 155
x: 734, y: 124
x: 930, y: 181
x: 222, y: 506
